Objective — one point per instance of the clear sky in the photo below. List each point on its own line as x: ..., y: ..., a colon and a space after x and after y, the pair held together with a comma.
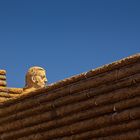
x: 66, y: 37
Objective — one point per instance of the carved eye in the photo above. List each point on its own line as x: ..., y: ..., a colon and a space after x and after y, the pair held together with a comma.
x: 42, y: 77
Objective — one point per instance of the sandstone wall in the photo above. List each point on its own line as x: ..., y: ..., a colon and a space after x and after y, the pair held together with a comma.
x: 2, y: 78
x: 102, y: 104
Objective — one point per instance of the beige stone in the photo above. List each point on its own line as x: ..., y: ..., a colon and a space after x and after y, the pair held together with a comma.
x: 35, y: 78
x: 102, y: 104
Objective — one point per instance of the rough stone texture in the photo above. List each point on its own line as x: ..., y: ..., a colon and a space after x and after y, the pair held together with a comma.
x: 102, y: 104
x: 35, y: 78
x: 3, y: 78
x: 2, y: 72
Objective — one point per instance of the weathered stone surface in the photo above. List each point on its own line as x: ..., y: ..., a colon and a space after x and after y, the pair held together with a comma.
x: 35, y: 78
x: 2, y: 72
x: 100, y: 104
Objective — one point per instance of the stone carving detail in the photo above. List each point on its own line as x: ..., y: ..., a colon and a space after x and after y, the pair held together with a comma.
x: 35, y: 78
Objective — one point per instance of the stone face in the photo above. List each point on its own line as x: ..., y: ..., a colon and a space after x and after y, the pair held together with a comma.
x: 35, y: 78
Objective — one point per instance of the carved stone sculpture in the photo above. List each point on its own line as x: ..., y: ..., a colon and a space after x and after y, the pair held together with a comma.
x: 35, y: 78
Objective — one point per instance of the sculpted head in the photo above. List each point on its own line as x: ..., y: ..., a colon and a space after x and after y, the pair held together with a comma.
x: 35, y: 78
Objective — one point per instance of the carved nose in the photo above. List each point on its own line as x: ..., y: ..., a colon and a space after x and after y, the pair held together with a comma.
x: 45, y: 81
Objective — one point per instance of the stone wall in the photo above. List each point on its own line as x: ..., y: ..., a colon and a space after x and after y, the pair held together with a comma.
x: 102, y: 104
x: 2, y: 78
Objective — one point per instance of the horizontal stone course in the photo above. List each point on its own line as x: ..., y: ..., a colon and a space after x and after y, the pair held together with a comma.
x: 3, y: 78
x: 102, y: 104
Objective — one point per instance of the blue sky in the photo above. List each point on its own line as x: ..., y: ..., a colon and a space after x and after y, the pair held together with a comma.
x: 66, y: 37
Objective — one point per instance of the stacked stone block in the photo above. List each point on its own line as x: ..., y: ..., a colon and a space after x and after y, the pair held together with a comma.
x: 102, y: 104
x: 2, y: 78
